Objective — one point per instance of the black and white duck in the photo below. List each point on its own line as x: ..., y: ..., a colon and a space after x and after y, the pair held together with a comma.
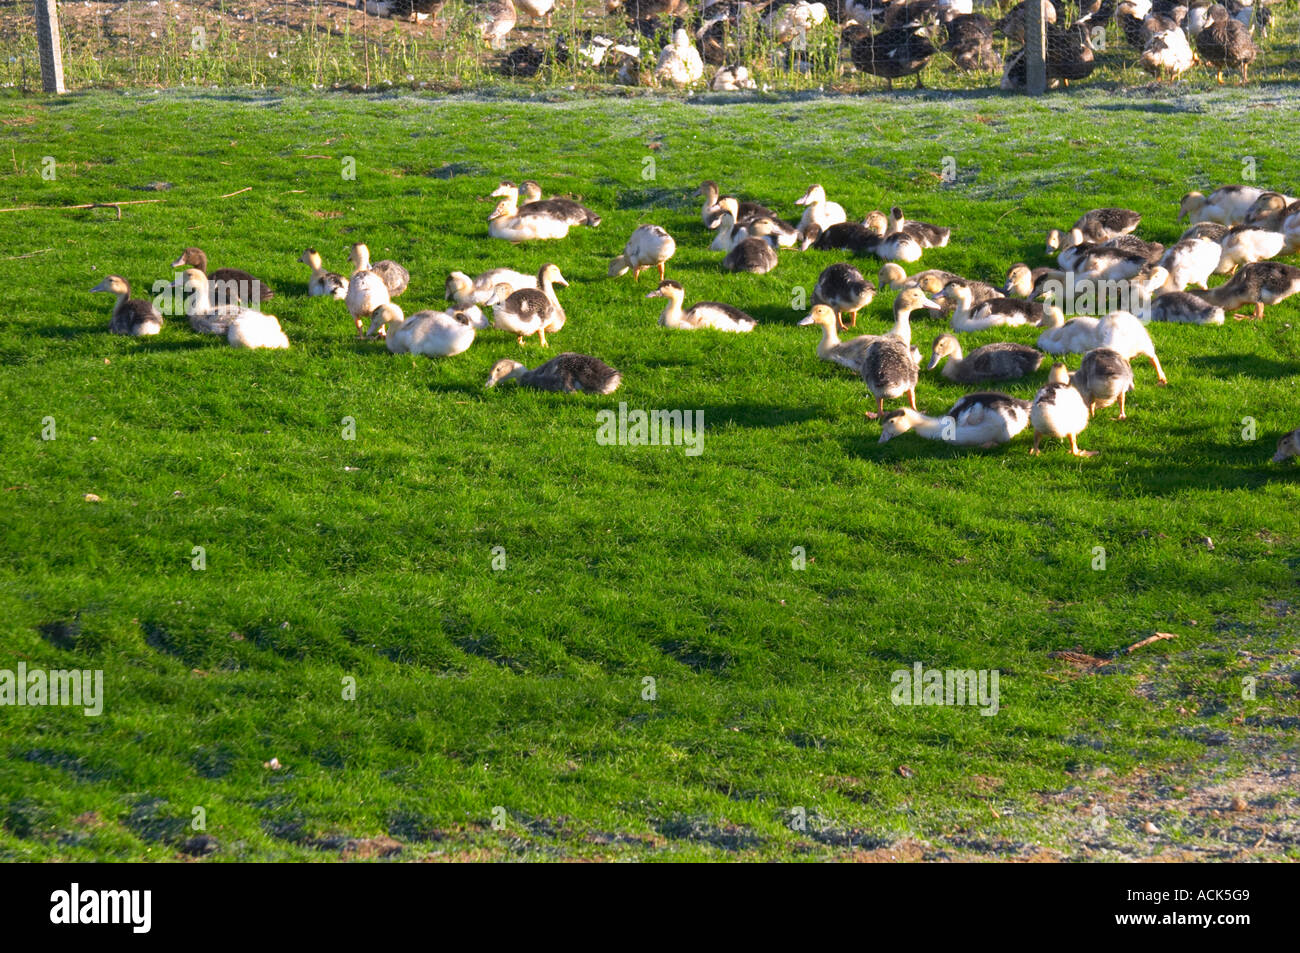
x: 894, y: 53
x: 228, y: 285
x: 1000, y: 361
x: 566, y: 373
x: 986, y: 419
x: 845, y: 290
x: 702, y: 314
x: 1261, y: 283
x: 131, y: 316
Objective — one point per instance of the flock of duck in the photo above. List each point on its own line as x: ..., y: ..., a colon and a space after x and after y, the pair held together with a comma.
x: 1237, y: 230
x: 891, y: 39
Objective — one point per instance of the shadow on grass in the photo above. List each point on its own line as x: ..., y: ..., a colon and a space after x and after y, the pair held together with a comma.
x: 1250, y: 365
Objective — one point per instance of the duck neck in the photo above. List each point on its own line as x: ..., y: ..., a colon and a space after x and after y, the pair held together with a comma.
x: 671, y: 317
x: 929, y: 427
x: 199, y: 299
x: 953, y: 365
x: 829, y: 342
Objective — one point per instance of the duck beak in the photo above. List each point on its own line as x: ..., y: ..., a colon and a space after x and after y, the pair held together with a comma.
x: 101, y: 286
x: 1279, y: 457
x: 931, y: 303
x: 179, y: 262
x: 807, y: 320
x: 934, y: 362
x: 655, y: 294
x: 716, y: 222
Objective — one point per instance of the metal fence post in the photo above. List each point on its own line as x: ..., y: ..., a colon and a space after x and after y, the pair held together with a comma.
x: 1035, y: 49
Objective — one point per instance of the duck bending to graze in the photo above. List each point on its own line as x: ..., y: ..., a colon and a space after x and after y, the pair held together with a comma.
x: 993, y: 313
x: 530, y: 310
x: 1245, y: 244
x: 1104, y: 377
x: 1288, y: 446
x: 1260, y: 283
x: 567, y: 373
x: 1270, y: 210
x: 703, y: 314
x: 925, y: 235
x: 1191, y: 261
x: 1151, y: 252
x: 1059, y: 410
x: 561, y: 209
x: 205, y: 317
x: 131, y: 316
x: 431, y: 333
x: 1068, y: 53
x: 254, y: 331
x: 819, y: 211
x: 1102, y: 262
x: 465, y: 291
x: 1124, y: 332
x: 889, y: 372
x: 1227, y: 205
x: 394, y: 276
x: 649, y: 247
x: 1210, y: 231
x: 744, y: 211
x: 843, y: 288
x: 1179, y: 307
x: 323, y: 283
x: 1000, y: 361
x: 849, y: 353
x: 984, y: 419
x: 970, y: 42
x: 537, y: 10
x: 1225, y: 43
x: 227, y: 285
x: 1097, y: 225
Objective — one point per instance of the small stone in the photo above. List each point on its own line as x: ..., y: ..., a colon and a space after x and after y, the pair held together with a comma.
x: 1150, y: 828
x: 905, y: 771
x: 1239, y: 803
x: 91, y: 498
x: 200, y: 846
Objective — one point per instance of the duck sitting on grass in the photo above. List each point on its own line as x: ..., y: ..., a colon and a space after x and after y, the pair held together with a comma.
x: 131, y: 316
x: 567, y: 373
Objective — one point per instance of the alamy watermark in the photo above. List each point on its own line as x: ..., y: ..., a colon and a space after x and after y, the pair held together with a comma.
x: 932, y: 686
x: 653, y: 428
x: 74, y: 688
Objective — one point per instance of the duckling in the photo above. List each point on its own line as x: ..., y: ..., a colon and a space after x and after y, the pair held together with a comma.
x: 649, y: 247
x: 1076, y: 336
x: 227, y: 285
x: 567, y: 373
x: 1288, y: 446
x: 431, y: 333
x: 1179, y: 307
x: 996, y: 312
x: 908, y: 301
x: 732, y: 79
x: 1124, y: 332
x: 254, y: 330
x: 729, y: 226
x: 323, y: 282
x: 818, y: 210
x: 754, y: 255
x: 530, y: 310
x: 1191, y: 261
x: 1260, y: 283
x: 498, y: 18
x: 560, y: 209
x: 889, y: 372
x: 984, y: 419
x: 1167, y: 52
x: 893, y: 276
x: 1227, y: 205
x: 1270, y: 210
x: 1151, y: 252
x: 1104, y: 377
x: 852, y: 352
x: 886, y: 245
x: 1244, y: 244
x: 744, y: 211
x: 992, y: 362
x: 1210, y: 231
x: 926, y: 235
x: 778, y: 230
x: 366, y: 292
x: 466, y: 291
x: 703, y: 314
x: 1225, y: 43
x: 894, y: 53
x: 509, y: 222
x: 846, y: 236
x: 537, y: 10
x: 680, y: 62
x: 1026, y: 282
x: 1059, y: 410
x: 204, y: 316
x: 843, y: 288
x: 134, y: 317
x: 393, y: 275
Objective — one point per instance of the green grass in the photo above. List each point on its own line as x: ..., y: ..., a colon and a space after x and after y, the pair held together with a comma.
x: 522, y: 688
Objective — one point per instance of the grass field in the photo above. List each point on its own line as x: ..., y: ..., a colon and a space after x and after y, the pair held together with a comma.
x: 516, y: 695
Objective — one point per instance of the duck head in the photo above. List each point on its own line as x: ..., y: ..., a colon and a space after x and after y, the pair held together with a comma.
x: 504, y: 369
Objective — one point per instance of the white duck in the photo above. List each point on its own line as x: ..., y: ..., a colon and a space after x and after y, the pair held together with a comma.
x: 204, y: 316
x: 985, y: 419
x: 1122, y: 331
x: 431, y: 333
x: 1228, y: 205
x: 1191, y: 261
x: 649, y: 247
x: 680, y: 62
x: 508, y: 222
x: 252, y: 330
x: 703, y: 314
x: 465, y: 291
x: 1059, y: 411
x: 366, y: 291
x: 1245, y: 244
x: 323, y: 283
x: 819, y: 211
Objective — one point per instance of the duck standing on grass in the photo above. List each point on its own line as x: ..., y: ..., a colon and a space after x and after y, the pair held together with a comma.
x: 1104, y: 377
x: 889, y: 371
x: 530, y: 311
x: 1059, y: 411
x: 1260, y: 283
x: 842, y: 287
x: 394, y: 276
x: 649, y: 247
x: 134, y: 317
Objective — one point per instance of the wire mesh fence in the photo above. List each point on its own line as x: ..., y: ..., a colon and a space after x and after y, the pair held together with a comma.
x: 336, y: 44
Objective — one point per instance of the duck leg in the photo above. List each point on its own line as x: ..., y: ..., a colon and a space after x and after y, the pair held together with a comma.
x: 911, y: 399
x: 1034, y: 451
x: 636, y: 273
x: 541, y: 333
x: 1122, y: 414
x: 853, y: 318
x: 1074, y: 449
x: 520, y: 340
x: 879, y: 412
x: 661, y: 270
x: 1259, y: 311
